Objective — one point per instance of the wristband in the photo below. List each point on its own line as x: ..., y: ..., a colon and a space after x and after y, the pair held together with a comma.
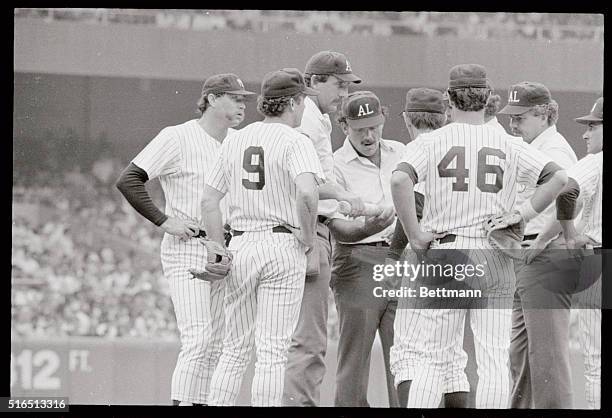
x: 527, y: 211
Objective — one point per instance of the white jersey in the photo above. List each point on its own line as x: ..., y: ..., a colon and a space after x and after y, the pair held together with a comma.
x: 588, y: 174
x: 254, y: 165
x: 180, y: 157
x: 470, y: 174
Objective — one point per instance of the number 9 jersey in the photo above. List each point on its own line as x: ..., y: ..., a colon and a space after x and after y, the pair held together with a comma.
x: 254, y: 165
x: 470, y: 173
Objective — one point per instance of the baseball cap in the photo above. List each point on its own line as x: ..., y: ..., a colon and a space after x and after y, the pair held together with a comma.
x: 285, y: 82
x: 224, y: 83
x: 595, y: 115
x: 467, y: 75
x: 362, y: 109
x: 425, y: 100
x: 523, y: 96
x: 330, y: 62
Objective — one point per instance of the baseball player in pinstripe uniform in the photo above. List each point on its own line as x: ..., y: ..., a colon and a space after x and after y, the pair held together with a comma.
x: 330, y: 74
x: 269, y: 173
x: 584, y: 189
x: 539, y: 352
x: 424, y: 112
x: 180, y: 157
x: 469, y: 171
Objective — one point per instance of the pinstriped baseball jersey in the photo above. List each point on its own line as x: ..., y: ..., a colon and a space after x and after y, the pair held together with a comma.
x: 588, y: 174
x: 180, y: 156
x: 470, y: 173
x: 257, y: 168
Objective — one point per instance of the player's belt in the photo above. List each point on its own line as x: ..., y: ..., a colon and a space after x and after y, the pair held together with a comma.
x: 597, y: 250
x: 447, y: 238
x: 278, y: 229
x: 374, y: 244
x: 227, y: 235
x: 530, y: 237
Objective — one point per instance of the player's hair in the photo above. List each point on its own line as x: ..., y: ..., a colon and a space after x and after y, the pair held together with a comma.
x: 469, y: 99
x: 426, y: 120
x: 551, y: 110
x: 492, y: 106
x: 273, y: 107
x: 341, y: 118
x: 321, y: 78
x: 203, y: 102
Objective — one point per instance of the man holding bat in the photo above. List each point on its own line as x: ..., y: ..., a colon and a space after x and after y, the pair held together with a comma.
x: 363, y: 166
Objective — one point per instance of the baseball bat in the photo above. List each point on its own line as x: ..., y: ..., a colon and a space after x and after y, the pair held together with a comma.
x: 369, y: 209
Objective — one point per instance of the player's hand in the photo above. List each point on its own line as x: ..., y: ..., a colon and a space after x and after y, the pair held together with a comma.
x: 533, y: 248
x: 184, y: 229
x: 307, y: 241
x: 375, y: 224
x: 422, y: 239
x: 357, y: 205
x: 579, y: 242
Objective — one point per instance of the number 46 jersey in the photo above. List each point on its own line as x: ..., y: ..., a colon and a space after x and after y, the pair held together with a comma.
x: 257, y: 167
x: 470, y: 173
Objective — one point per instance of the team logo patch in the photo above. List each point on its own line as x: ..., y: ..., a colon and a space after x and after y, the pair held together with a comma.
x: 348, y: 67
x: 593, y: 109
x: 364, y: 111
x: 240, y: 83
x: 512, y: 97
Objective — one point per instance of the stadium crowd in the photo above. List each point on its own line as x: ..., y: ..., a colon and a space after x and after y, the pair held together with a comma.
x: 84, y: 263
x: 542, y: 26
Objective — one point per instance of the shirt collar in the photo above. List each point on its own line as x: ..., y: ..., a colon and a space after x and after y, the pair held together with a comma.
x: 544, y: 135
x: 347, y: 153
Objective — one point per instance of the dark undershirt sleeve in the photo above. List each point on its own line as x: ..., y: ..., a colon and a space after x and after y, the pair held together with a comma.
x: 408, y: 169
x: 400, y: 241
x: 566, y: 201
x: 131, y: 184
x: 548, y: 171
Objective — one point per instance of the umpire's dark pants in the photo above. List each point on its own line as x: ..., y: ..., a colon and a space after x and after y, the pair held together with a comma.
x: 539, y: 348
x: 360, y: 315
x: 306, y: 357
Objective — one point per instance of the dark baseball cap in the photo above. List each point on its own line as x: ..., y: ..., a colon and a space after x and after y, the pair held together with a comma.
x: 224, y: 83
x: 425, y: 100
x: 285, y: 82
x: 524, y: 95
x: 362, y: 109
x: 333, y: 63
x: 595, y: 115
x: 468, y: 75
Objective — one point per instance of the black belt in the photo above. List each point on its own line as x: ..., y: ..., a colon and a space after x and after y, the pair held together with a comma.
x: 277, y: 229
x: 530, y: 237
x: 597, y: 250
x: 373, y: 244
x: 227, y: 235
x: 447, y: 238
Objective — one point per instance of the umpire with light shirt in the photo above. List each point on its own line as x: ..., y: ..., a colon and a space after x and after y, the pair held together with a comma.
x: 539, y: 348
x: 363, y: 166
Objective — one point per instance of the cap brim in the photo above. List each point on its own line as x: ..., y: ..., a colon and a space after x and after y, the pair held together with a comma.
x: 310, y: 92
x: 513, y: 110
x: 587, y: 119
x: 349, y: 77
x: 240, y: 92
x: 366, y: 122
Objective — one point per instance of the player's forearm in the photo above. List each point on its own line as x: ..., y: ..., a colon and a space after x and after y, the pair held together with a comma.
x: 348, y: 231
x: 131, y: 184
x: 545, y: 193
x: 551, y: 229
x: 306, y: 205
x: 213, y: 220
x: 402, y: 192
x: 333, y: 190
x: 569, y: 229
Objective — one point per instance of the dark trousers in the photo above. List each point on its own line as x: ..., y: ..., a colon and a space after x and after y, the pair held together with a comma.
x: 360, y: 316
x: 539, y: 348
x: 306, y: 357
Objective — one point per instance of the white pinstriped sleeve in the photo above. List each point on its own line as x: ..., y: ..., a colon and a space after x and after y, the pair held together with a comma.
x: 586, y: 173
x: 216, y: 177
x: 531, y: 161
x: 414, y: 161
x: 302, y: 158
x: 161, y: 156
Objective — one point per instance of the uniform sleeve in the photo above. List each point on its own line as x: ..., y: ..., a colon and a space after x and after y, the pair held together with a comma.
x: 161, y: 156
x: 530, y: 163
x: 561, y: 156
x: 302, y: 158
x: 586, y: 173
x: 216, y: 177
x: 414, y: 161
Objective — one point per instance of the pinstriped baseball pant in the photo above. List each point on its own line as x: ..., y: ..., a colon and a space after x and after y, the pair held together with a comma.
x: 262, y: 304
x: 441, y: 332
